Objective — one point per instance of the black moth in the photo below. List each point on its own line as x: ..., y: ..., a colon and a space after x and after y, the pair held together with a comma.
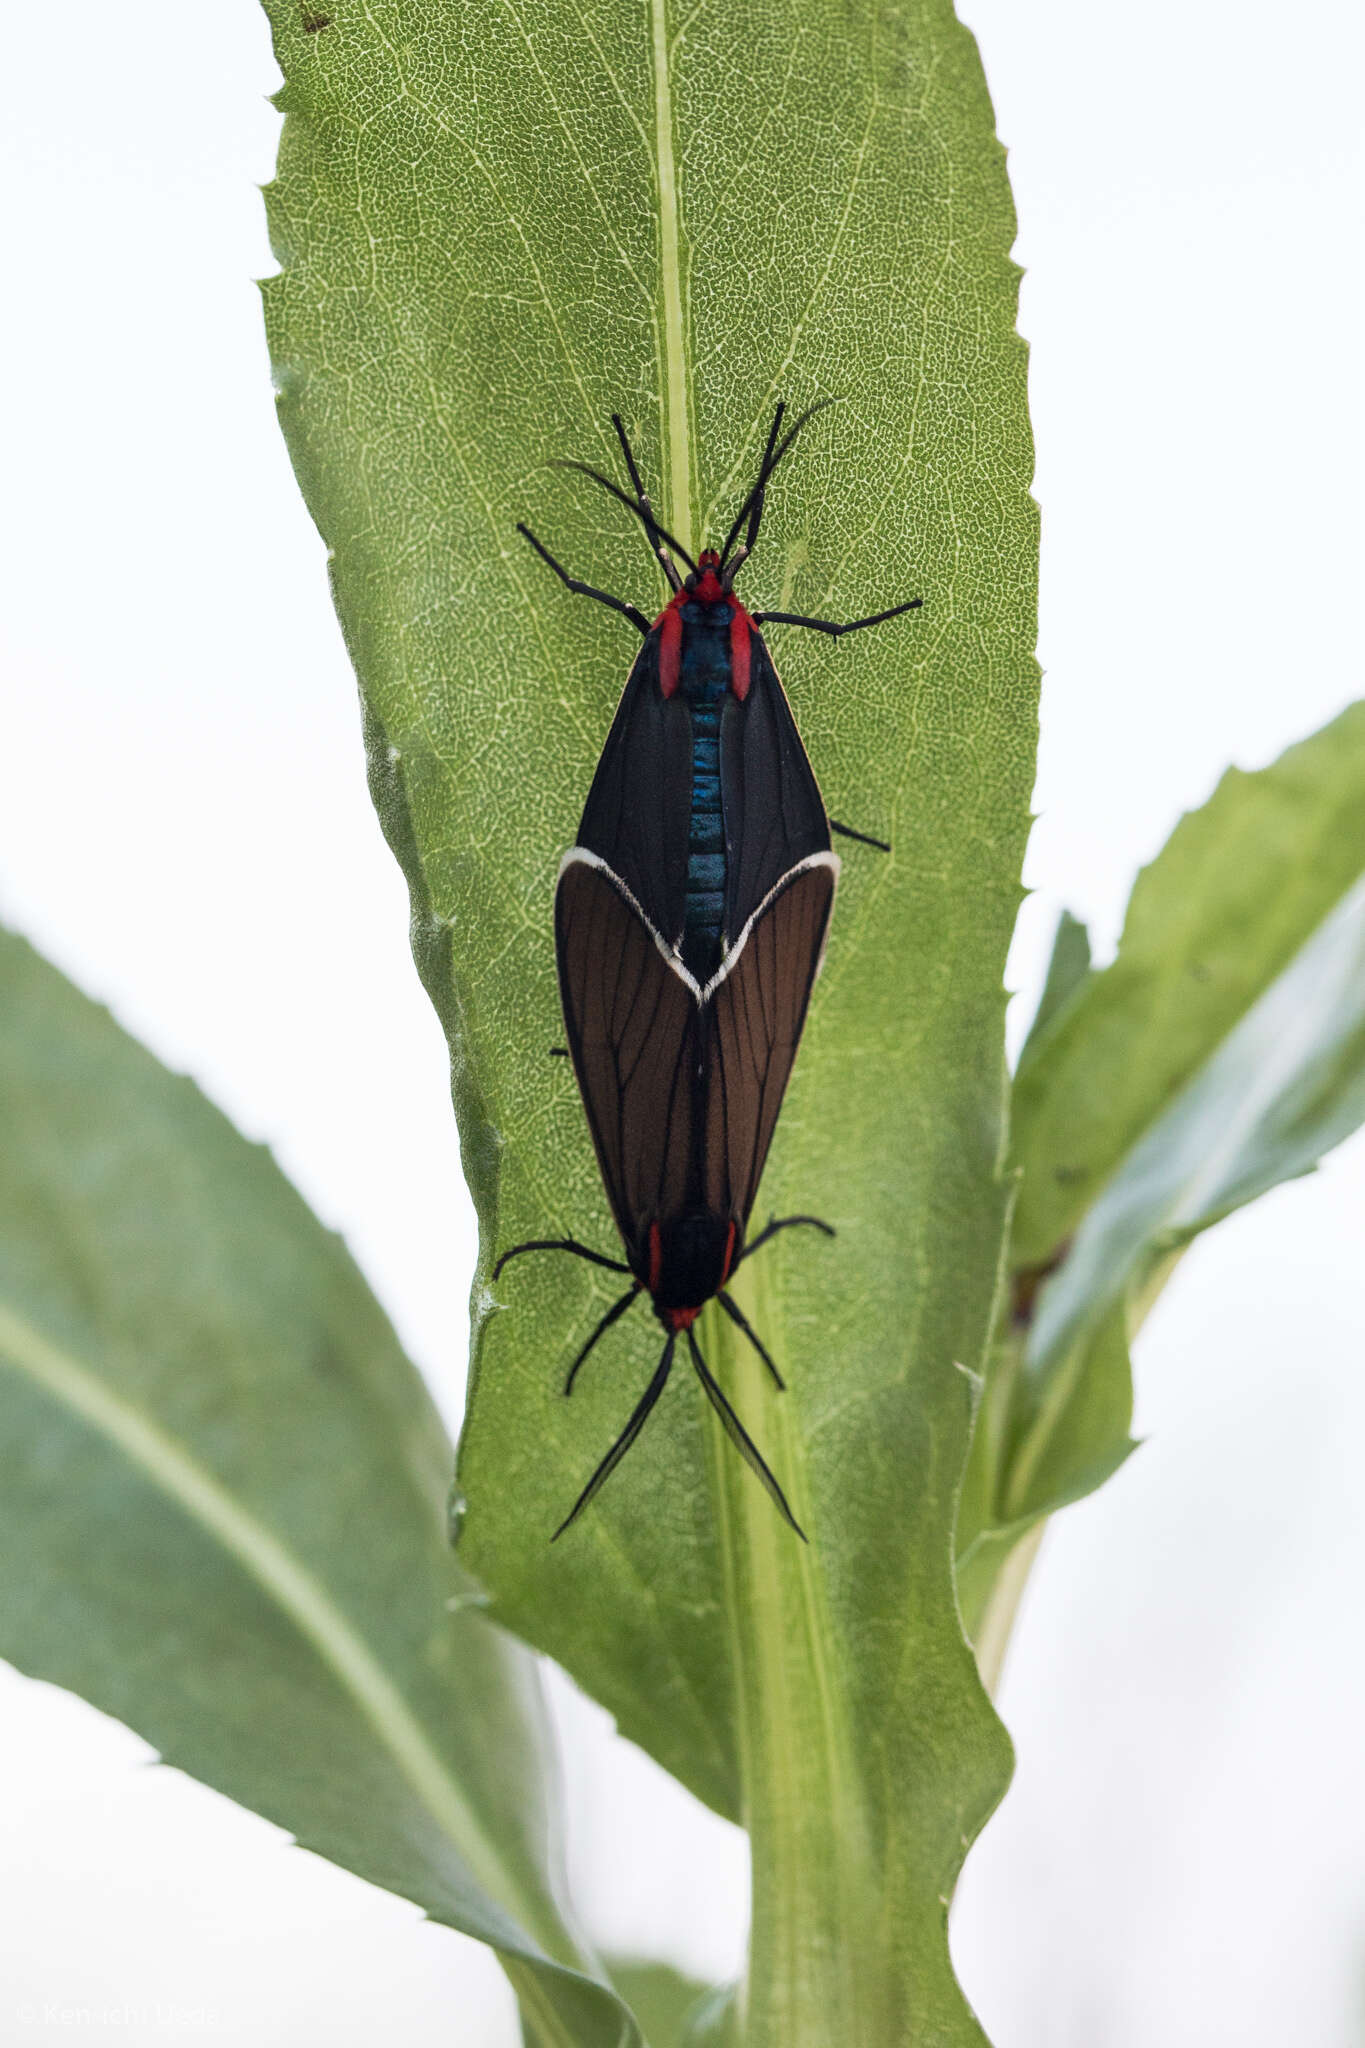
x: 690, y: 923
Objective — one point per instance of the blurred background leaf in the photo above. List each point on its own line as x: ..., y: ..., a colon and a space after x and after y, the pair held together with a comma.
x: 222, y: 1500
x: 1068, y: 970
x: 673, y: 2010
x: 1213, y: 922
x: 1222, y: 1053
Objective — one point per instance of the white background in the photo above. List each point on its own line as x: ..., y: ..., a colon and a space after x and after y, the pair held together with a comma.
x: 184, y: 827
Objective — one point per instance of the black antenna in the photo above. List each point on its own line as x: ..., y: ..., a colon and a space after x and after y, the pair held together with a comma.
x: 646, y: 519
x: 624, y: 1441
x: 755, y: 498
x: 753, y: 503
x: 740, y: 1437
x: 738, y: 1317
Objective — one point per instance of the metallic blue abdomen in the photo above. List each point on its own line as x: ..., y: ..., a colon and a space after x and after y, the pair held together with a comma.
x: 704, y: 680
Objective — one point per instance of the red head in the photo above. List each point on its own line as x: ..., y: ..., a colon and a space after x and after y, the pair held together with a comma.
x: 705, y: 580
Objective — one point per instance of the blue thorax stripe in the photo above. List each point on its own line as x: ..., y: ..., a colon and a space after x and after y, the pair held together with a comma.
x: 704, y: 674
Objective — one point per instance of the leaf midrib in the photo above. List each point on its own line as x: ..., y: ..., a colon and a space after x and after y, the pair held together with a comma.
x: 677, y: 434
x: 753, y: 1725
x: 746, y: 1527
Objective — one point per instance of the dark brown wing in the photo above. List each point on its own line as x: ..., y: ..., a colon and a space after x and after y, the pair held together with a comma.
x: 632, y: 1025
x: 754, y: 1019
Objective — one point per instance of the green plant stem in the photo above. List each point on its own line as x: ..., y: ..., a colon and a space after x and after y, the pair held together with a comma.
x: 815, y: 1963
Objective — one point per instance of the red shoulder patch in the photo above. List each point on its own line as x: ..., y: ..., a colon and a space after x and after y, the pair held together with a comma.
x: 739, y: 652
x: 669, y: 623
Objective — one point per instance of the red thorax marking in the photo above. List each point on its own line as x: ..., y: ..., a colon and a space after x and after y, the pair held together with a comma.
x: 707, y: 588
x: 669, y: 623
x: 656, y: 1257
x: 739, y: 651
x: 729, y: 1252
x: 682, y: 1318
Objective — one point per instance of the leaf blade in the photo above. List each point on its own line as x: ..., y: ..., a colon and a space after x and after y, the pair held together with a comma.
x: 854, y: 237
x: 1264, y: 890
x: 1286, y: 1085
x: 1212, y: 923
x: 174, y: 1325
x: 1067, y: 971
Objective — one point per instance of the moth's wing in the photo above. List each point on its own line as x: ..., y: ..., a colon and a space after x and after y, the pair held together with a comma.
x: 774, y: 813
x: 632, y: 1025
x: 636, y: 816
x: 754, y: 1018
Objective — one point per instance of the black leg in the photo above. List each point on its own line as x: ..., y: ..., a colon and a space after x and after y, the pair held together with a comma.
x: 613, y: 1314
x: 572, y: 583
x: 623, y: 1442
x: 782, y: 1223
x: 835, y: 632
x: 864, y: 838
x: 645, y: 509
x: 560, y: 1244
x: 740, y: 1437
x: 561, y: 1052
x: 737, y: 1316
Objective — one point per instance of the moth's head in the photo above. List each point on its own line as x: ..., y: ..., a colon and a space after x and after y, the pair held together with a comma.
x: 689, y: 1259
x: 704, y: 581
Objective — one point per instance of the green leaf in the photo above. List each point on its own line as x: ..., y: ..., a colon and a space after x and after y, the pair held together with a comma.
x: 1090, y: 1415
x: 496, y: 228
x: 221, y: 1489
x: 1085, y: 1441
x: 1213, y: 923
x: 1067, y: 972
x: 665, y: 2002
x: 1286, y: 1085
x: 1242, y: 1045
x: 715, y: 2020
